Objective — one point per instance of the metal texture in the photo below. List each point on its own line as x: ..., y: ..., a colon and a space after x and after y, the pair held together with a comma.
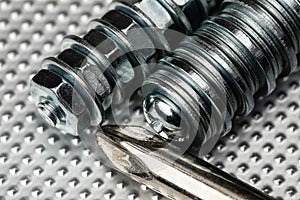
x: 263, y: 148
x: 38, y: 162
x: 96, y: 69
x: 216, y: 73
x: 146, y: 158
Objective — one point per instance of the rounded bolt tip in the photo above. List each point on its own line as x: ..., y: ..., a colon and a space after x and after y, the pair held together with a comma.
x: 49, y: 113
x: 163, y: 115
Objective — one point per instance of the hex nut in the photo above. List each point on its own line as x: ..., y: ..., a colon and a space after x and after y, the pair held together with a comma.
x: 194, y: 10
x: 159, y: 16
x: 88, y: 70
x: 134, y: 33
x: 58, y: 103
x: 116, y: 57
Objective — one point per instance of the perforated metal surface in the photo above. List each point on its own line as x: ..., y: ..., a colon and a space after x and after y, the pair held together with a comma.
x: 37, y: 162
x: 263, y: 148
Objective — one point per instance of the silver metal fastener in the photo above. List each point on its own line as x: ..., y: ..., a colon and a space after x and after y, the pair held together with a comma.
x: 216, y: 73
x: 241, y: 50
x: 76, y: 87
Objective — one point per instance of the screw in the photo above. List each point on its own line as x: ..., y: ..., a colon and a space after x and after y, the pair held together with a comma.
x: 100, y: 65
x: 216, y: 73
x: 49, y: 113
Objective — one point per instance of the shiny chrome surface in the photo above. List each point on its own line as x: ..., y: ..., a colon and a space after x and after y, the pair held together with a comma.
x: 178, y: 177
x: 114, y: 54
x: 216, y: 73
x: 38, y: 162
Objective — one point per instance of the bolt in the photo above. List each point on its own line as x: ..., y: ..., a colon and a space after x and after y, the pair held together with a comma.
x: 49, y: 113
x: 215, y: 73
x: 113, y: 56
x: 164, y: 117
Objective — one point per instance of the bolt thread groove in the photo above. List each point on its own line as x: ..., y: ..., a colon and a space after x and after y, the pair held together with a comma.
x: 115, y: 52
x: 230, y: 59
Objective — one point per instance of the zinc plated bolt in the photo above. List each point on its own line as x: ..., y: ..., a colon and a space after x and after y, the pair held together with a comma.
x: 106, y: 60
x: 216, y: 73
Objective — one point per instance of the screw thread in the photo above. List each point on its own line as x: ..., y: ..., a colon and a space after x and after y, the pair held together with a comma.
x: 216, y: 73
x: 115, y: 52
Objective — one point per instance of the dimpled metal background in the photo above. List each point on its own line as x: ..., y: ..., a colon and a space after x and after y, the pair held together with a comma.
x: 263, y: 148
x: 38, y: 162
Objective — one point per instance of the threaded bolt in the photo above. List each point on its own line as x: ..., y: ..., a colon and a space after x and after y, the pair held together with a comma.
x: 48, y: 113
x: 115, y: 52
x: 216, y: 73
